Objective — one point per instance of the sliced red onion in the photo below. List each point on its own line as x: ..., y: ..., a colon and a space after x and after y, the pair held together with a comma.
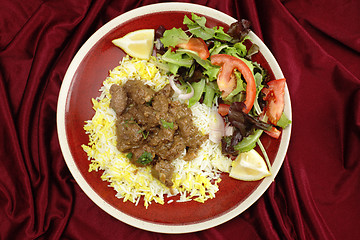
x: 178, y: 91
x: 217, y: 127
x: 215, y: 136
x: 186, y: 96
x: 229, y: 130
x: 157, y: 44
x: 173, y: 85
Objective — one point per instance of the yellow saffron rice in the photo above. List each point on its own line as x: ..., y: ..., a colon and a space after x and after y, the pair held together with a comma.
x: 193, y: 180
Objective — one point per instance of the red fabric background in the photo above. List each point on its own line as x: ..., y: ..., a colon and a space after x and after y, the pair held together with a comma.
x: 316, y: 193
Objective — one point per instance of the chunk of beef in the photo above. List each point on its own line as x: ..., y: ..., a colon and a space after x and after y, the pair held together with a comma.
x: 151, y: 122
x: 137, y: 152
x: 179, y: 110
x: 138, y: 91
x: 186, y: 127
x: 129, y: 135
x: 163, y: 170
x: 119, y: 99
x: 167, y: 91
x: 171, y: 150
x: 143, y: 115
x: 161, y: 103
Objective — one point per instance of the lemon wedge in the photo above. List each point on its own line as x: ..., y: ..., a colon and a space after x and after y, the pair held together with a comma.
x: 249, y: 166
x: 137, y: 44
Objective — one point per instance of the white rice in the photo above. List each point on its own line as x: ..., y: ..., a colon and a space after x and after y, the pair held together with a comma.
x: 193, y: 180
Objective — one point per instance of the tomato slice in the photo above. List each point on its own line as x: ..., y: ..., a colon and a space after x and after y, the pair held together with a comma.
x: 274, y: 95
x: 227, y: 84
x: 223, y: 109
x: 273, y: 132
x: 197, y: 45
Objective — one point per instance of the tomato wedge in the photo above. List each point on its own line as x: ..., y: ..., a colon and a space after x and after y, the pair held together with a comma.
x: 223, y: 109
x: 273, y: 132
x: 226, y: 83
x: 197, y: 45
x: 274, y: 95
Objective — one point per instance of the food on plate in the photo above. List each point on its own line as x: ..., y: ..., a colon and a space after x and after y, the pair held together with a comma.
x: 219, y: 66
x: 152, y: 129
x: 195, y: 179
x: 172, y: 123
x: 249, y: 166
x: 138, y: 44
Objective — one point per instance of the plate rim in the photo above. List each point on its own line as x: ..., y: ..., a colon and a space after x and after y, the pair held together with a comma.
x: 133, y: 221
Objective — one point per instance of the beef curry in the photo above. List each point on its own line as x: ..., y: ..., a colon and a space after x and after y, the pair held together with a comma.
x: 153, y: 129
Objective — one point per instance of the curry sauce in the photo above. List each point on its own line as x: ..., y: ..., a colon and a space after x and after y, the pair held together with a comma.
x: 152, y: 128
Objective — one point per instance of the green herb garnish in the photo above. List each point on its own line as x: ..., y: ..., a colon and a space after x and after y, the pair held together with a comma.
x: 145, y: 158
x: 167, y: 125
x: 144, y: 133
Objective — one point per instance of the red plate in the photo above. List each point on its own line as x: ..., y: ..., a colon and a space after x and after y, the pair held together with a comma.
x: 82, y: 82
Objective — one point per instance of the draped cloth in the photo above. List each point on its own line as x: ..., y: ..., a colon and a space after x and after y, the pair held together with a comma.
x: 314, y: 196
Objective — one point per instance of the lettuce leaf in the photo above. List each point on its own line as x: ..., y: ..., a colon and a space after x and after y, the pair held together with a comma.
x: 210, y: 70
x: 221, y: 35
x: 218, y: 47
x: 199, y: 88
x: 240, y: 87
x: 175, y: 60
x: 237, y: 50
x: 173, y: 37
x: 197, y: 26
